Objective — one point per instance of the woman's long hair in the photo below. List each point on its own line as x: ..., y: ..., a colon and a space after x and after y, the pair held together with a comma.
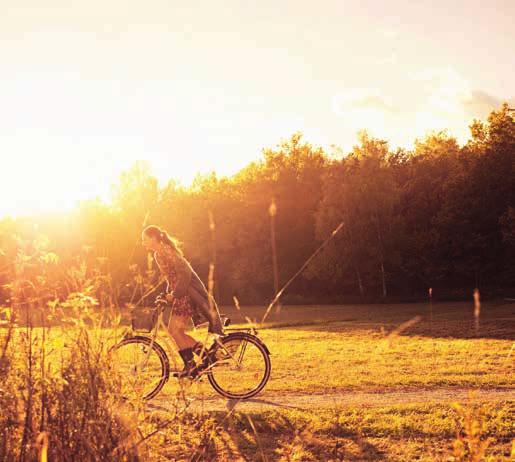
x: 161, y: 235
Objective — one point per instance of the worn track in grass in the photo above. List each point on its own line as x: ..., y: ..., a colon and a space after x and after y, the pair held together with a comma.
x: 310, y: 401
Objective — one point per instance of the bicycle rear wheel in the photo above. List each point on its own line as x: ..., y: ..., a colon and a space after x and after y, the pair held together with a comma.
x: 240, y: 366
x: 143, y: 365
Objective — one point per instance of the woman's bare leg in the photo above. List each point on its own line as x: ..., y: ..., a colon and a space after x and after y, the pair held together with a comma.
x: 177, y: 327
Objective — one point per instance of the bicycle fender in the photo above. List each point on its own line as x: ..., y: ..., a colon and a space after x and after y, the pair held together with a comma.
x: 244, y: 334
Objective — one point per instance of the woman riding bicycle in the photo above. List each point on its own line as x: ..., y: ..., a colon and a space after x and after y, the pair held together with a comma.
x: 187, y: 293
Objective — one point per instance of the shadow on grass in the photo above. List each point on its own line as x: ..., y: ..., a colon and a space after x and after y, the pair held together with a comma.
x: 272, y: 435
x: 257, y: 437
x: 445, y: 320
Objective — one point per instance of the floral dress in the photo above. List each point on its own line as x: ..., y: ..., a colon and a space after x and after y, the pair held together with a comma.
x: 170, y: 266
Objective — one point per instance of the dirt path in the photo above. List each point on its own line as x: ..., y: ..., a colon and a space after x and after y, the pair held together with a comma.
x: 269, y: 401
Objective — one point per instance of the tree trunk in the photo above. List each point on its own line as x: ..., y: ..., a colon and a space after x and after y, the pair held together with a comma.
x: 383, y: 278
x: 360, y: 282
x: 381, y: 253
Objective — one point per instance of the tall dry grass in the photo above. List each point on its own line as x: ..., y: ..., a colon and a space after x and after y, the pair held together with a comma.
x: 60, y: 395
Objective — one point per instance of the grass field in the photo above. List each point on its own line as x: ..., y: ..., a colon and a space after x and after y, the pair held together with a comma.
x: 327, y: 350
x: 348, y: 383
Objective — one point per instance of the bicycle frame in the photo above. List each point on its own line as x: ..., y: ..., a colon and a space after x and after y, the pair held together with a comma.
x: 227, y: 349
x: 172, y: 345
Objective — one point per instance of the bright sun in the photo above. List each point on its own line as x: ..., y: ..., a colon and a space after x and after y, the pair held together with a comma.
x: 38, y: 184
x: 55, y: 183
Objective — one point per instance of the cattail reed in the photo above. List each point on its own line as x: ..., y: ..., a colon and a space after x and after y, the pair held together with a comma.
x: 430, y: 295
x: 211, y: 277
x: 272, y: 211
x: 477, y: 309
x: 211, y: 282
x: 42, y: 444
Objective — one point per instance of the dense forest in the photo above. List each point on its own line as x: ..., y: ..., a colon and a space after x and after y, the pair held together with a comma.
x: 438, y: 216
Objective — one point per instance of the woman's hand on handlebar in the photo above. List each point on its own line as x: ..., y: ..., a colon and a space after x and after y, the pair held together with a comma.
x: 164, y: 298
x: 161, y: 298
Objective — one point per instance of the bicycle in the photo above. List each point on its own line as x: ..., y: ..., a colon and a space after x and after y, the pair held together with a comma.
x: 234, y: 359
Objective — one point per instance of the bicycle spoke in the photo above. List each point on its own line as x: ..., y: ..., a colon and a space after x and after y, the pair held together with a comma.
x: 241, y: 367
x: 141, y: 368
x: 244, y: 345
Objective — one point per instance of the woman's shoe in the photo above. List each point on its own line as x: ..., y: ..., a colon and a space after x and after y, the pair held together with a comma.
x: 190, y: 367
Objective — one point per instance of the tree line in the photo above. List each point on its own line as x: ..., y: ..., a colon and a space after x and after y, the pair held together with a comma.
x: 439, y: 216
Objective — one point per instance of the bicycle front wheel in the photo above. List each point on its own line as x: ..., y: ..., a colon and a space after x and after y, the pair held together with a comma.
x: 143, y: 366
x: 240, y: 366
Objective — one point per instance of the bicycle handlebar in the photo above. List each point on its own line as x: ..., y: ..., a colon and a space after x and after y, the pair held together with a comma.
x: 161, y: 299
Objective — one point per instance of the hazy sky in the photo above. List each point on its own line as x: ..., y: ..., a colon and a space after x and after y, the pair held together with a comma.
x: 89, y: 87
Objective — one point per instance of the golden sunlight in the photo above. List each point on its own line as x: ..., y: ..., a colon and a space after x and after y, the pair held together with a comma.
x: 38, y: 184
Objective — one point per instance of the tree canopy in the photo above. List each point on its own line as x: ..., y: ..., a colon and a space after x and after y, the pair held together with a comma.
x: 440, y: 215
